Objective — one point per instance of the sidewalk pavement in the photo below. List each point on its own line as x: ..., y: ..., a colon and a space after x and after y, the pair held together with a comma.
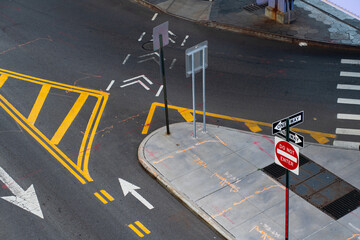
x: 316, y: 22
x: 219, y: 176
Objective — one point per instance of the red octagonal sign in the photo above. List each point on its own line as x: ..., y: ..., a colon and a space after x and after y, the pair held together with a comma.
x: 287, y: 155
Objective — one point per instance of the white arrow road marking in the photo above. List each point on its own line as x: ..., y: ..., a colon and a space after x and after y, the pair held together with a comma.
x: 135, y: 80
x: 171, y: 33
x: 149, y: 54
x: 141, y: 37
x: 183, y: 43
x: 171, y: 40
x: 26, y: 200
x: 130, y: 188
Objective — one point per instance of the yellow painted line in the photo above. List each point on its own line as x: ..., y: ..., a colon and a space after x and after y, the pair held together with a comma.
x: 253, y: 127
x: 3, y: 79
x: 185, y: 113
x: 149, y: 117
x: 145, y: 230
x: 35, y: 136
x: 55, y: 84
x: 88, y: 128
x: 100, y: 198
x: 251, y: 122
x: 69, y: 118
x: 320, y: 138
x: 107, y: 195
x: 91, y: 139
x: 136, y: 230
x: 38, y: 104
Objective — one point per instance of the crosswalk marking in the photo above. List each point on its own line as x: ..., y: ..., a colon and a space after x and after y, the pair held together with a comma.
x: 346, y: 144
x: 349, y: 74
x: 69, y: 118
x: 348, y: 116
x: 348, y: 131
x: 350, y: 61
x: 38, y: 103
x: 348, y: 101
x: 348, y: 87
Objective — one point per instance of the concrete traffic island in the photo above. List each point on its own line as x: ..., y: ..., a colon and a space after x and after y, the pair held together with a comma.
x: 219, y: 176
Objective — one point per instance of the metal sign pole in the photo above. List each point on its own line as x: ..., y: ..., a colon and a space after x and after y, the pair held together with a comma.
x: 204, y: 112
x: 193, y: 92
x: 287, y: 189
x: 162, y: 69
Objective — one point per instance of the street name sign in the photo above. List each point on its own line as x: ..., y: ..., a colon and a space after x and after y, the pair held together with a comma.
x: 294, y: 120
x: 293, y: 137
x: 287, y: 155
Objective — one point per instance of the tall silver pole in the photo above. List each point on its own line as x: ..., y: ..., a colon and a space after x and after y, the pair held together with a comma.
x: 204, y: 112
x: 193, y: 92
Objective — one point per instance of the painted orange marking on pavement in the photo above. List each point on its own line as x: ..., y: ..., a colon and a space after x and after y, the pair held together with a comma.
x: 163, y: 159
x: 246, y: 121
x: 69, y: 118
x: 81, y: 173
x: 142, y: 227
x: 221, y: 213
x: 38, y: 103
x: 353, y: 236
x: 184, y: 150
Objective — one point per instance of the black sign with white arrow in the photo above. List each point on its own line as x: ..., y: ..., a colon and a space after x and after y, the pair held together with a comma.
x: 293, y: 137
x: 294, y: 120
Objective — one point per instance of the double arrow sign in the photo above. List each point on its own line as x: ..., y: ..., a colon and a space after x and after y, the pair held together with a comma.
x: 279, y: 127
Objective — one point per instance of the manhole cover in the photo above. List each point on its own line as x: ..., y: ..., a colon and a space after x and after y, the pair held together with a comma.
x: 148, y: 46
x: 318, y: 186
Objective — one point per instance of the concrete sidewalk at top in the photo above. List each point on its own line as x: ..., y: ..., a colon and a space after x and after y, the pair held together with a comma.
x: 219, y: 175
x: 315, y: 22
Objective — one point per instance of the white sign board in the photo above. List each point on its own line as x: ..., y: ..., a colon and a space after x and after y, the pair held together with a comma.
x: 163, y: 30
x: 197, y: 51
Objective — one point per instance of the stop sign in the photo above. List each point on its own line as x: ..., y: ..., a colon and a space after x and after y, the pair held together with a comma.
x: 287, y: 155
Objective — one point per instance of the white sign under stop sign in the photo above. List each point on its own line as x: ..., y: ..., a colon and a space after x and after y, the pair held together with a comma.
x: 287, y: 155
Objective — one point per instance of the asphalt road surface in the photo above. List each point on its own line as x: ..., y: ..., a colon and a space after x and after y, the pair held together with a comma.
x: 77, y: 82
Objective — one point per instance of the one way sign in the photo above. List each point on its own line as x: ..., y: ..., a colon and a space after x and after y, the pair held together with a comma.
x: 293, y: 137
x: 294, y: 120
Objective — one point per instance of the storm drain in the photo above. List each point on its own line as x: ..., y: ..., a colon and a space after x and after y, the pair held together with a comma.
x: 254, y: 7
x: 318, y: 186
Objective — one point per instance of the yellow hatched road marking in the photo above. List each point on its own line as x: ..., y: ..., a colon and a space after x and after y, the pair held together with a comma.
x: 92, y: 136
x: 136, y: 230
x: 69, y: 118
x: 88, y: 128
x: 100, y: 198
x: 107, y: 195
x: 38, y: 103
x: 318, y: 136
x: 3, y: 79
x: 142, y: 227
x: 37, y: 138
x: 49, y: 145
